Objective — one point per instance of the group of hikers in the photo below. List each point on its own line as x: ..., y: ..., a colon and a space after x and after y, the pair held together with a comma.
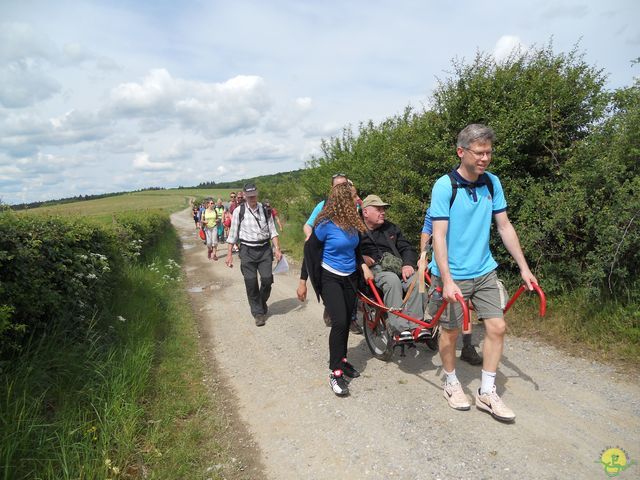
x: 349, y: 240
x: 213, y: 218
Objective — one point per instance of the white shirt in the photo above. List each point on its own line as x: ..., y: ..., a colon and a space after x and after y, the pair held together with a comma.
x: 254, y: 230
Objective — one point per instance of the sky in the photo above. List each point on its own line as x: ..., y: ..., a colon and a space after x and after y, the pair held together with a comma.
x: 110, y: 96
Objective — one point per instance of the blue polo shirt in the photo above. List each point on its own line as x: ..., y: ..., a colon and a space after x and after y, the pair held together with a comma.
x: 469, y: 224
x: 427, y: 227
x: 316, y: 211
x: 339, y: 247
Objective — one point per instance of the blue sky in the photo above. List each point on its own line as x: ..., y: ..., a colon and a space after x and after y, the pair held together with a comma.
x: 111, y: 96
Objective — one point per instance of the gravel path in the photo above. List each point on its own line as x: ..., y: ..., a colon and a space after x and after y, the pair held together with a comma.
x: 395, y: 423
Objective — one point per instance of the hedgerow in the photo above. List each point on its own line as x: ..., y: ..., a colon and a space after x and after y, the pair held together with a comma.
x: 58, y: 271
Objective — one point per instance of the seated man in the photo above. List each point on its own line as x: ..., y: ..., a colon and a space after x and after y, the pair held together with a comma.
x: 384, y: 237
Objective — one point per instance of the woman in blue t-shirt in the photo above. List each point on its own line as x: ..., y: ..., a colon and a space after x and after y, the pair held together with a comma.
x: 336, y: 233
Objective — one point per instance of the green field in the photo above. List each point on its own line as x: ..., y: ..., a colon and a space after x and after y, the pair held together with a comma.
x: 103, y: 208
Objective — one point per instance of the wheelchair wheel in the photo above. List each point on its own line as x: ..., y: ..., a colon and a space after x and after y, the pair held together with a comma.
x: 432, y: 342
x: 376, y: 334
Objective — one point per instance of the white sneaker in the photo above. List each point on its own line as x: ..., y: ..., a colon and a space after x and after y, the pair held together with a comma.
x: 492, y: 403
x: 456, y: 396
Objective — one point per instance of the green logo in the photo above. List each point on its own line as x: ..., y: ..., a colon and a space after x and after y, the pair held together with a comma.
x: 615, y: 461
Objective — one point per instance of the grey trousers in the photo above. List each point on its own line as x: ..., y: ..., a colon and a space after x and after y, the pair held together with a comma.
x: 393, y: 289
x: 254, y: 260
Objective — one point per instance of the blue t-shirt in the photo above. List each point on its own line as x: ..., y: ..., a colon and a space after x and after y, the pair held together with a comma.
x: 469, y: 224
x: 339, y: 246
x: 316, y: 211
x: 428, y: 226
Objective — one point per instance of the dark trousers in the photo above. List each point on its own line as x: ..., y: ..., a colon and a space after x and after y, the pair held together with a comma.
x: 254, y: 260
x: 339, y: 297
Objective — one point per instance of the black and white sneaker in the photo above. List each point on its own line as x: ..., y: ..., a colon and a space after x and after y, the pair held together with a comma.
x: 404, y: 337
x: 349, y: 370
x: 338, y: 383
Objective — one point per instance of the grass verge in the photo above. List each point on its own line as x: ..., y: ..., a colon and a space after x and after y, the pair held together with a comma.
x: 125, y: 401
x: 606, y: 331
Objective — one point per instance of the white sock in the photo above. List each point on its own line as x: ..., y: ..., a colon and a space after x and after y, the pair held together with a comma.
x: 488, y: 380
x: 451, y: 377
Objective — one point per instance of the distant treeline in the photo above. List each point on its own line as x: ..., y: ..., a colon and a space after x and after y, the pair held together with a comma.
x: 265, y: 180
x: 77, y: 198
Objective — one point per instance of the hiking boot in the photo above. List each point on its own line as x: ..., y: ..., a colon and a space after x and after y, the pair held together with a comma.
x: 260, y: 320
x: 349, y: 370
x: 355, y: 328
x: 326, y: 317
x: 455, y: 396
x: 470, y: 355
x: 492, y: 403
x: 338, y: 383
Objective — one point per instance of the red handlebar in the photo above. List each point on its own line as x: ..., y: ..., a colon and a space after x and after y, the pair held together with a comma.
x: 463, y: 304
x: 538, y: 290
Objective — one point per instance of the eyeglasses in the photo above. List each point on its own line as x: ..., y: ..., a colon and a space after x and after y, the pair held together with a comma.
x: 479, y: 154
x: 338, y: 175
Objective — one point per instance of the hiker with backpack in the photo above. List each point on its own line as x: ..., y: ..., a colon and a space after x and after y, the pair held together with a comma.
x: 254, y: 231
x: 462, y: 209
x: 208, y: 220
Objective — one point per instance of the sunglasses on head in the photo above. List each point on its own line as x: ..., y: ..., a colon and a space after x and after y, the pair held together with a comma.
x: 339, y: 175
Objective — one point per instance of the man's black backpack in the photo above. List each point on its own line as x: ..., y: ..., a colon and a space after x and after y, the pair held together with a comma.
x: 267, y: 214
x: 483, y: 179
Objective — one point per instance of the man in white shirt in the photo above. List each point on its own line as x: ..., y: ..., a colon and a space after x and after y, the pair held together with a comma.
x: 251, y: 228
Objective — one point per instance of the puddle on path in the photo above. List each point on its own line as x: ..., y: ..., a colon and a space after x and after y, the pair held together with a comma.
x: 200, y: 289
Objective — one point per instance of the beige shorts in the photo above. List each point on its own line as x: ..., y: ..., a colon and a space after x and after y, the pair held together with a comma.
x: 487, y: 293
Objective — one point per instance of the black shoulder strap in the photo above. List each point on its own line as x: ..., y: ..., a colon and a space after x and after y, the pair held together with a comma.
x: 240, y: 216
x: 454, y: 188
x: 488, y: 183
x: 484, y: 178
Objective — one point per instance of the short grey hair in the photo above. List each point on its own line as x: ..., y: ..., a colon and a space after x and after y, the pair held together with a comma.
x: 473, y: 133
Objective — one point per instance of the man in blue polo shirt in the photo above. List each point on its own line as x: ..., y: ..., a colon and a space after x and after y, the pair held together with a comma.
x: 468, y: 353
x: 463, y: 265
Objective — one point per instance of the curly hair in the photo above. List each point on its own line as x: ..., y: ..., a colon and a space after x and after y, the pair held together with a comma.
x: 340, y: 208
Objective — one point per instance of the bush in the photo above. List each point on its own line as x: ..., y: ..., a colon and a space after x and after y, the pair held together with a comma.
x: 60, y: 271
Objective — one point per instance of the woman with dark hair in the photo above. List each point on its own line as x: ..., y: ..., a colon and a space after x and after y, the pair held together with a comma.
x: 333, y: 261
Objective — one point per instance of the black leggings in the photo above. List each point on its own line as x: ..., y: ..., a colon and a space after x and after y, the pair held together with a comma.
x: 339, y: 297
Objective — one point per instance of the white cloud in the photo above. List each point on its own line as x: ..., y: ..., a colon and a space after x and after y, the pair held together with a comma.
x: 20, y: 40
x: 27, y: 61
x: 259, y: 150
x: 212, y: 109
x: 506, y: 46
x: 288, y: 116
x: 23, y: 83
x: 142, y: 162
x: 571, y: 12
x: 185, y: 149
x: 24, y: 133
x: 304, y: 103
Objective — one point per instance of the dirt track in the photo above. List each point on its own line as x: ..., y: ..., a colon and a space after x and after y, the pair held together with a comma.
x: 395, y: 423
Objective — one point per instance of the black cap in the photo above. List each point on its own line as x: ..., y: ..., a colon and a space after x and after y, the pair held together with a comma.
x: 250, y: 189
